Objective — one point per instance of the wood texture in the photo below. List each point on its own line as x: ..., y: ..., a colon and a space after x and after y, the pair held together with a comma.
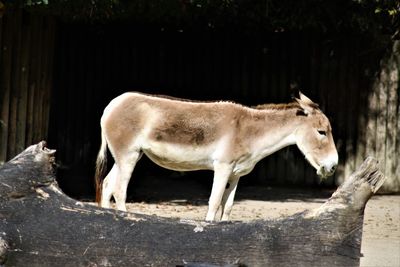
x: 43, y: 227
x: 6, y: 61
x: 382, y: 119
x: 26, y: 64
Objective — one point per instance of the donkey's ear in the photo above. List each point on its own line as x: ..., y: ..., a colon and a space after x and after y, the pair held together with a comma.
x: 306, y: 100
x: 295, y: 91
x: 306, y: 104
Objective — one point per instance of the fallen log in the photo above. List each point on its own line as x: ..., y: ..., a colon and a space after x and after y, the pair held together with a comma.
x: 41, y: 226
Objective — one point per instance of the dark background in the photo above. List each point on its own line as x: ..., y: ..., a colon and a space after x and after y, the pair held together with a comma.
x: 93, y: 65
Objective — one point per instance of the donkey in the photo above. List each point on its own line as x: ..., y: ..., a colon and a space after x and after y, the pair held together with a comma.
x: 225, y: 137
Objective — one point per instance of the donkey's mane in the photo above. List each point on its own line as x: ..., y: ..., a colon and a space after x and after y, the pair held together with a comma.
x: 167, y: 97
x: 187, y: 100
x: 281, y: 106
x: 270, y: 106
x: 284, y: 106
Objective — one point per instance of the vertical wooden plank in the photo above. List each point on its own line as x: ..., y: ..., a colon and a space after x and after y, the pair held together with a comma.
x: 48, y: 82
x: 236, y: 68
x: 89, y: 86
x: 324, y: 73
x: 244, y: 73
x: 32, y: 81
x: 180, y: 70
x: 264, y: 68
x: 22, y: 83
x: 254, y: 57
x: 315, y: 66
x: 396, y: 165
x: 75, y: 106
x: 5, y: 83
x: 156, y: 62
x: 362, y: 108
x: 3, y: 96
x: 370, y: 135
x: 90, y: 98
x: 226, y: 64
x: 98, y: 87
x: 37, y: 109
x: 77, y: 103
x: 71, y: 82
x: 352, y: 110
x: 56, y: 131
x: 392, y: 160
x: 15, y: 90
x: 161, y: 61
x: 381, y: 86
x: 169, y: 64
x: 1, y: 30
x: 62, y: 88
x: 1, y: 38
x: 219, y: 70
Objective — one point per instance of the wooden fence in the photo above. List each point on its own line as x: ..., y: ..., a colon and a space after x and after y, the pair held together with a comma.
x: 381, y: 121
x: 26, y: 58
x: 344, y: 73
x: 95, y: 64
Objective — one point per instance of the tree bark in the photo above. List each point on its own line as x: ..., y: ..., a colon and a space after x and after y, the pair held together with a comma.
x: 41, y: 226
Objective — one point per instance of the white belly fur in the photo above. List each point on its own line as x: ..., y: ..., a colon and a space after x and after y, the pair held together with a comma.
x: 178, y: 157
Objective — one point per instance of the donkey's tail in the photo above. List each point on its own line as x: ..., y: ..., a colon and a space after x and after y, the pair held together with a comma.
x: 101, y: 167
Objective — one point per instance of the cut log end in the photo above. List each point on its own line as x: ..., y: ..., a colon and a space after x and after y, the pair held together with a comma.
x: 353, y: 194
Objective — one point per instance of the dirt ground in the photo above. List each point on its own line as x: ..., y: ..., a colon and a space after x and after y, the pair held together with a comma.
x: 188, y: 199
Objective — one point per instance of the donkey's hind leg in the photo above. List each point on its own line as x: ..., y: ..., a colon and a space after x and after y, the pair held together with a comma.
x: 125, y: 169
x: 108, y: 187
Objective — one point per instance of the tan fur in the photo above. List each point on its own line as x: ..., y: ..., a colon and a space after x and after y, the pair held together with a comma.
x: 225, y: 137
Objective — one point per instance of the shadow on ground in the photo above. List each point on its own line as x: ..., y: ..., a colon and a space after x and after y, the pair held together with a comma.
x: 196, y: 191
x: 189, y: 188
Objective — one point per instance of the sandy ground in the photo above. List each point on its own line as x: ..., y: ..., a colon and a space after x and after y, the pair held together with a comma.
x: 381, y: 231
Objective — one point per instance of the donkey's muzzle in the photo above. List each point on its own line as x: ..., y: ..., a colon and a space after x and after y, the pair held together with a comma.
x: 330, y: 170
x: 327, y: 170
x: 327, y: 167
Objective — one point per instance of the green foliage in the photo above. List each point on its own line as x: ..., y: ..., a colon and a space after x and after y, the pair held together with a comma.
x: 273, y: 15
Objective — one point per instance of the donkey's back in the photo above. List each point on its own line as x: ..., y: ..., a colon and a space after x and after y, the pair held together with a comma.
x: 175, y: 133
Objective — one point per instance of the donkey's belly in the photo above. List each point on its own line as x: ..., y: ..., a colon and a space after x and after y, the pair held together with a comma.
x: 180, y: 158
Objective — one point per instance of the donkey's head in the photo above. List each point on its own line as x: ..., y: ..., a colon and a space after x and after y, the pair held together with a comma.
x: 314, y: 137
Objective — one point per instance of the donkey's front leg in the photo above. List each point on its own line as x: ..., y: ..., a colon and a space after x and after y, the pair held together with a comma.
x: 229, y: 195
x: 222, y: 172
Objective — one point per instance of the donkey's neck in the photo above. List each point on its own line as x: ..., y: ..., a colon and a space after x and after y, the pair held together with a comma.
x: 277, y: 130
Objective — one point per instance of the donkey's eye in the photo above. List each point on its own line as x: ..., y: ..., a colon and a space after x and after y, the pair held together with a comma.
x: 322, y: 132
